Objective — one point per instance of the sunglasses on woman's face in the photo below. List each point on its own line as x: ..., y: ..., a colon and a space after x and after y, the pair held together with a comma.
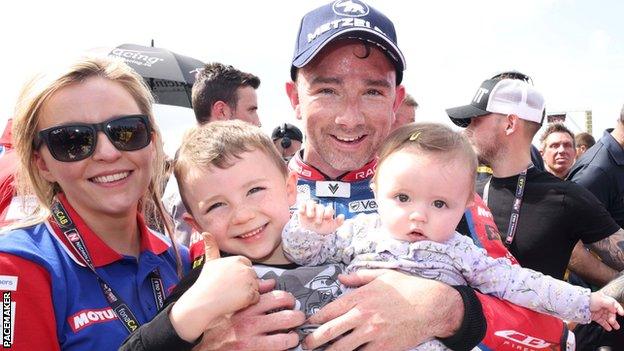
x: 75, y: 142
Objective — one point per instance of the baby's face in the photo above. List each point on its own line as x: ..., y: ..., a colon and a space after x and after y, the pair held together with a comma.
x: 422, y: 196
x: 244, y: 206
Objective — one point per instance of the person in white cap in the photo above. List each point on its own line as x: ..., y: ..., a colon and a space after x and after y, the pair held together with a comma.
x: 540, y: 217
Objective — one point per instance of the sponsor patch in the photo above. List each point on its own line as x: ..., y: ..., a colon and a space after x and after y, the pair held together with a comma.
x: 362, y: 206
x: 8, y: 322
x: 8, y: 283
x: 333, y: 189
x: 86, y: 318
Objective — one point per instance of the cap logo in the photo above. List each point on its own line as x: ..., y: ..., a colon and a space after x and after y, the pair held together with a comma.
x: 479, y: 95
x: 351, y: 8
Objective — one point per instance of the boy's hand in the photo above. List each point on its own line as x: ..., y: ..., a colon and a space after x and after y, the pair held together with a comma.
x: 232, y: 280
x: 603, y: 310
x: 319, y: 218
x: 224, y: 286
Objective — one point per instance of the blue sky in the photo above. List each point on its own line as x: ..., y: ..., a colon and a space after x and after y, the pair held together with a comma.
x: 574, y: 50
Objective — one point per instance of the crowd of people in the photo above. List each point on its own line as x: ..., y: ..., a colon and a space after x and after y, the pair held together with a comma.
x: 364, y: 230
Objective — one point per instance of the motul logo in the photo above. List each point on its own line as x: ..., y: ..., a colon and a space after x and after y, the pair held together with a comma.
x: 85, y: 318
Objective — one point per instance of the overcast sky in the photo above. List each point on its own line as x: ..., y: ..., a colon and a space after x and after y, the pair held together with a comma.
x: 574, y: 50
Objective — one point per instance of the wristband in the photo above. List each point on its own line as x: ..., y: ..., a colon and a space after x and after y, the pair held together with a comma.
x: 473, y: 326
x: 162, y: 336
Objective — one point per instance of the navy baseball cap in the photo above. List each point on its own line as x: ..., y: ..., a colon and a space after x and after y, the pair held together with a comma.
x: 342, y: 19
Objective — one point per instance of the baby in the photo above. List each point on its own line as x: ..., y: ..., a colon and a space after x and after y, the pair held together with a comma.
x: 423, y: 184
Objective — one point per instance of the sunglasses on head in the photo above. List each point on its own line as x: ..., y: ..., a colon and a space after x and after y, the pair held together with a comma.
x: 75, y: 142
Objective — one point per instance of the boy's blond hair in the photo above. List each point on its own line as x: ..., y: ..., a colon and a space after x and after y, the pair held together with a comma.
x: 430, y: 138
x: 219, y: 144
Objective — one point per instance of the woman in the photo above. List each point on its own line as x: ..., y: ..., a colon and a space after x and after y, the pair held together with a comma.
x: 85, y: 270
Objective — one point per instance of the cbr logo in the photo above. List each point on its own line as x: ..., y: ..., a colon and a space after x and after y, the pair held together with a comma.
x: 523, y: 339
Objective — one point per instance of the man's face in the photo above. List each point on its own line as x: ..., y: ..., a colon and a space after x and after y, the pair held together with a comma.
x: 404, y: 115
x: 247, y: 106
x: 347, y: 102
x: 558, y: 153
x: 486, y: 136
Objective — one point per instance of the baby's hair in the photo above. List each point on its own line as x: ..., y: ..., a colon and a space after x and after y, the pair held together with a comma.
x: 430, y: 138
x: 219, y: 144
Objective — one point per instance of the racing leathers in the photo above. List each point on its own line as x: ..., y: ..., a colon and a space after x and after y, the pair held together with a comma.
x: 508, y: 327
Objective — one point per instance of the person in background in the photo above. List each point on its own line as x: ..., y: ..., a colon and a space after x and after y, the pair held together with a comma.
x: 540, y: 217
x: 83, y: 271
x: 583, y: 142
x: 10, y: 206
x: 220, y: 92
x: 557, y: 149
x: 287, y: 139
x: 406, y: 112
x: 601, y: 170
x: 223, y: 92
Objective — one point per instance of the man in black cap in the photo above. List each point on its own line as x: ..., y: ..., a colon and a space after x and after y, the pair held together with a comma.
x: 287, y: 139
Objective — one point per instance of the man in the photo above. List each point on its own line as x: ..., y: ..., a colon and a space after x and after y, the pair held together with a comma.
x: 583, y: 142
x: 541, y: 218
x: 558, y: 150
x: 406, y: 112
x: 12, y: 207
x: 346, y: 76
x: 222, y: 92
x: 601, y: 170
x: 287, y: 138
x: 503, y: 118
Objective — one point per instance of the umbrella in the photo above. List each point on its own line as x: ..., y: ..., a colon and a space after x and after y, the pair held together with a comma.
x: 170, y: 76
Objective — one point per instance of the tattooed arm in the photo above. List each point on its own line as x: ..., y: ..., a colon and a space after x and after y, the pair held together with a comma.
x: 611, y: 250
x: 590, y: 268
x: 615, y: 288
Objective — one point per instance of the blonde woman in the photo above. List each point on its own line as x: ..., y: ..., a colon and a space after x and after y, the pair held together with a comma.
x: 85, y: 271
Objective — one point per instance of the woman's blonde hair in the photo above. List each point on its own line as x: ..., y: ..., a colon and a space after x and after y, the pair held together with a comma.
x: 34, y: 96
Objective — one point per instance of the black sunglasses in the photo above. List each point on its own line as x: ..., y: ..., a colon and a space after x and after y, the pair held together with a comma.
x: 75, y: 142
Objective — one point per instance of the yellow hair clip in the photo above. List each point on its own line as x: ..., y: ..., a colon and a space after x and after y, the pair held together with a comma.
x: 414, y: 136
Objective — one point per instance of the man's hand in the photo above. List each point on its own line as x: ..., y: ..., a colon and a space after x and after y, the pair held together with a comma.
x: 258, y: 327
x: 390, y: 311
